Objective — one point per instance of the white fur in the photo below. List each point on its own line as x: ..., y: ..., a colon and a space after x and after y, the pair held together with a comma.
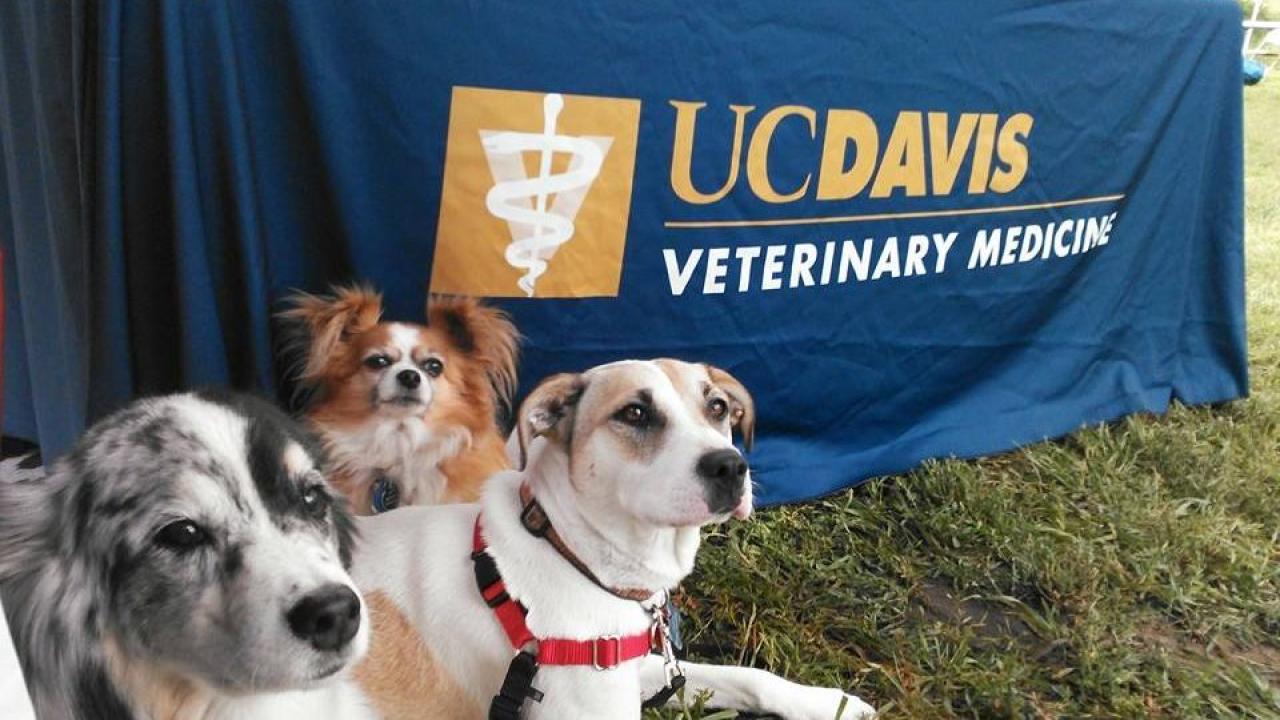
x: 403, y: 448
x: 404, y: 338
x: 419, y: 556
x: 338, y: 701
x: 394, y: 439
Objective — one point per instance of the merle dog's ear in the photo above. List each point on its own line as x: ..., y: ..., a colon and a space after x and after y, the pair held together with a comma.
x: 324, y: 324
x: 548, y: 410
x: 29, y: 519
x: 742, y: 408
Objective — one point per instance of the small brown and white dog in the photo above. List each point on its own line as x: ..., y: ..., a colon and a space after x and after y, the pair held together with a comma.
x: 625, y: 463
x: 405, y: 411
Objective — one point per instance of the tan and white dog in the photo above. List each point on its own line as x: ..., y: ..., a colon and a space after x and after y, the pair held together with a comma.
x: 631, y: 460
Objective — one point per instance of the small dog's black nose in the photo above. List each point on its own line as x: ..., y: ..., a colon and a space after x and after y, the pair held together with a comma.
x: 409, y: 379
x: 327, y: 618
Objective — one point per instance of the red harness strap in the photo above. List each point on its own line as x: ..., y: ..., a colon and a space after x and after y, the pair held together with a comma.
x: 602, y: 653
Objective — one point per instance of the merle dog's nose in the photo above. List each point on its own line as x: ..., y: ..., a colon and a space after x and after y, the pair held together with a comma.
x: 327, y: 618
x: 723, y: 471
x: 409, y: 379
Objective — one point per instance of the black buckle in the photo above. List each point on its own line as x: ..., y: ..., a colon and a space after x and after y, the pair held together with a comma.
x: 486, y: 577
x: 505, y: 708
x: 517, y: 686
x: 486, y: 570
x: 661, y: 697
x: 536, y: 529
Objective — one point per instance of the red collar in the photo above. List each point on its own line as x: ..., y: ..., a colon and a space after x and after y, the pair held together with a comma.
x: 602, y: 653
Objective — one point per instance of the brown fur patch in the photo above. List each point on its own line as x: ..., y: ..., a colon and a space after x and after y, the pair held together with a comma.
x: 545, y: 410
x: 678, y: 372
x: 152, y: 691
x: 401, y: 675
x: 742, y: 407
x: 330, y: 320
x: 468, y: 471
x: 484, y: 334
x: 691, y: 383
x: 611, y: 392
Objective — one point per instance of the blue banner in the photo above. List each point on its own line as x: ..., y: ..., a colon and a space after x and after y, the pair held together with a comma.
x: 913, y: 229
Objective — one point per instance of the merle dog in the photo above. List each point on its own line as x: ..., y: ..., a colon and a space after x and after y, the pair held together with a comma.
x: 186, y: 559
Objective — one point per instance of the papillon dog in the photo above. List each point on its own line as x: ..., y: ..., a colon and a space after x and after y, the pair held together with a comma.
x: 407, y: 412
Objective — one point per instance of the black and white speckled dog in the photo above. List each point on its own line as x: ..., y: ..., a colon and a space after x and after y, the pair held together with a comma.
x: 184, y: 561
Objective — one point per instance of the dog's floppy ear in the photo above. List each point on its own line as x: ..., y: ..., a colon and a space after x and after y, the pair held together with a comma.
x: 484, y: 333
x: 328, y: 321
x: 742, y: 410
x: 546, y: 409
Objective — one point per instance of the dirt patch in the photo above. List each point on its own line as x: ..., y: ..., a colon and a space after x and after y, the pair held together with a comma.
x: 990, y: 620
x: 1263, y: 658
x: 1164, y: 638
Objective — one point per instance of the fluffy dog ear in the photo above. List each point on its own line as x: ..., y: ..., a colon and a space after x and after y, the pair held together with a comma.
x: 29, y: 522
x: 327, y: 322
x: 484, y: 333
x: 742, y: 410
x: 546, y: 409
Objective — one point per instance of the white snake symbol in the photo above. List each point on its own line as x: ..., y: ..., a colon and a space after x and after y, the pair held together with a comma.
x: 509, y: 199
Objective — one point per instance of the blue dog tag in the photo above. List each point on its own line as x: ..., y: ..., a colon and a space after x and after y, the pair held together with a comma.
x: 386, y: 495
x: 673, y: 625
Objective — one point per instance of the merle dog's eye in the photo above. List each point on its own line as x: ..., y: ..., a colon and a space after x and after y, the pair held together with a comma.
x: 433, y: 366
x: 315, y: 500
x: 717, y: 408
x: 635, y: 415
x: 377, y: 362
x: 181, y: 535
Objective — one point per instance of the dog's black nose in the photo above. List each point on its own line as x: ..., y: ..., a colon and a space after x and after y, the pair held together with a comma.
x: 409, y: 379
x: 723, y: 471
x: 327, y: 618
x: 722, y: 467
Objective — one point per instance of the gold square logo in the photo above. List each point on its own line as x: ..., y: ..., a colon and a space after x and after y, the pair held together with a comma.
x: 537, y: 194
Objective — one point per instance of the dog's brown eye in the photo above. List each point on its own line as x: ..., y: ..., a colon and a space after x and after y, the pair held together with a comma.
x: 634, y: 414
x: 181, y: 535
x: 377, y: 362
x: 717, y: 408
x: 433, y: 367
x: 315, y: 500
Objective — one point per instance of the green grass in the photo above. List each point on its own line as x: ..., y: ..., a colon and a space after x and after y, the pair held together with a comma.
x: 1128, y: 571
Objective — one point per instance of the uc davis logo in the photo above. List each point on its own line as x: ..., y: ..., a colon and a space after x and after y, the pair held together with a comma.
x: 537, y: 193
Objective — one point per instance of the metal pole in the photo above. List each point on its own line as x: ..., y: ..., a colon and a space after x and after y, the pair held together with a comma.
x: 1248, y: 34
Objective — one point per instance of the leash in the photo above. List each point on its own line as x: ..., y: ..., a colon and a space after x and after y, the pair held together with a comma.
x: 601, y: 653
x: 663, y: 616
